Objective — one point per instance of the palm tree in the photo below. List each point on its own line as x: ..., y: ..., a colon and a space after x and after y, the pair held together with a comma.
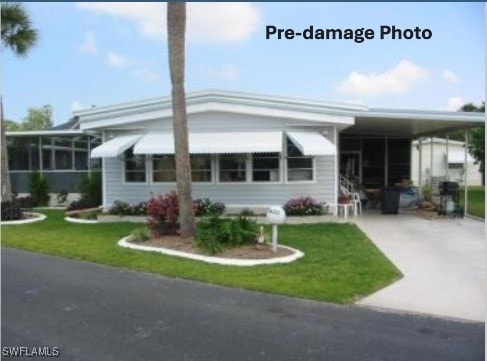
x: 176, y: 27
x: 18, y: 36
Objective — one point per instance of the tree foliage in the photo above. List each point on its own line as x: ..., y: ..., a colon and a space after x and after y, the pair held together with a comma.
x: 36, y: 119
x: 19, y: 36
x: 476, y: 145
x: 17, y: 32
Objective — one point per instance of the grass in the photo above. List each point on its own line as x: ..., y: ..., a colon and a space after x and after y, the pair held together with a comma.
x: 476, y: 200
x: 340, y: 264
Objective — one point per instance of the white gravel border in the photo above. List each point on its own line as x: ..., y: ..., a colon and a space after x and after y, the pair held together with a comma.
x: 216, y: 260
x: 79, y: 220
x: 38, y: 217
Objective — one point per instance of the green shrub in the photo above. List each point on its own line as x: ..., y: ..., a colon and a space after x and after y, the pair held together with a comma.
x: 120, y: 208
x: 213, y: 233
x: 205, y: 207
x: 38, y: 189
x: 90, y: 188
x: 140, y: 235
x: 426, y: 191
x: 62, y: 196
x: 11, y: 211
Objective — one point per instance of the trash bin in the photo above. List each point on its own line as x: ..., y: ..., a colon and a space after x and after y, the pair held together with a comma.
x: 390, y: 200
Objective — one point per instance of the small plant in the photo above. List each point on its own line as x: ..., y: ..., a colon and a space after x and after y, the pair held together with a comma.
x: 38, y: 189
x: 24, y: 202
x: 304, y: 206
x: 120, y: 208
x: 205, y: 207
x: 426, y: 191
x: 213, y: 233
x: 140, y: 209
x: 247, y: 213
x: 163, y: 212
x: 140, y: 235
x: 62, y: 196
x: 11, y: 211
x: 82, y: 203
x: 90, y: 188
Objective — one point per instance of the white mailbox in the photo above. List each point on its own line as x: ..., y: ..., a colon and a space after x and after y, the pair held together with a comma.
x: 275, y: 215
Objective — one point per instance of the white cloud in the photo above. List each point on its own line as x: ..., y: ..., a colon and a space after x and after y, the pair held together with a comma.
x: 89, y: 44
x: 450, y: 76
x: 228, y: 72
x: 454, y: 103
x: 146, y: 75
x: 222, y: 21
x: 77, y: 105
x: 115, y: 60
x: 206, y: 22
x: 397, y: 80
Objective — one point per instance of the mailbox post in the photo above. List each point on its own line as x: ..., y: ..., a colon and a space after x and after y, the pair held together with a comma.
x: 275, y: 215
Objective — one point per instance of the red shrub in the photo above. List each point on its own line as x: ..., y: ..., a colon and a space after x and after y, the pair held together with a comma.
x: 163, y: 214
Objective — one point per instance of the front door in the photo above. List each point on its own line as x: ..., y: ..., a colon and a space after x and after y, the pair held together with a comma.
x: 351, y: 165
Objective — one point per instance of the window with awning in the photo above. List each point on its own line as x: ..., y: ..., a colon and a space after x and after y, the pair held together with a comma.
x: 242, y: 156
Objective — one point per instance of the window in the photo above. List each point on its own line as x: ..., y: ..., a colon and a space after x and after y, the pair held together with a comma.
x: 163, y: 168
x: 201, y: 168
x: 134, y: 167
x: 233, y: 168
x: 265, y: 167
x: 299, y: 167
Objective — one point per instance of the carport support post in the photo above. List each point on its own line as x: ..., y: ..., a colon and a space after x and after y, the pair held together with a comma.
x: 447, y: 158
x: 420, y: 173
x: 465, y: 178
x: 431, y: 161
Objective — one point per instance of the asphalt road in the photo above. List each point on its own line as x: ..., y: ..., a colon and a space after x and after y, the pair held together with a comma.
x: 93, y: 312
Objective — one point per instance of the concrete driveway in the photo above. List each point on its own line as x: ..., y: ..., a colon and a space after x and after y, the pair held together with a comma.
x: 443, y: 262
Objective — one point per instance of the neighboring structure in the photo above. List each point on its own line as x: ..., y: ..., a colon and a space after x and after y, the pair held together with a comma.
x: 252, y: 150
x: 448, y: 159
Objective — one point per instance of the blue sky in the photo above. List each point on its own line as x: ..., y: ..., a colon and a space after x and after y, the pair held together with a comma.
x: 106, y: 53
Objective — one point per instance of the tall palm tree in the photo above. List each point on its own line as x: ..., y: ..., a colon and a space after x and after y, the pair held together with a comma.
x: 176, y: 27
x: 18, y: 36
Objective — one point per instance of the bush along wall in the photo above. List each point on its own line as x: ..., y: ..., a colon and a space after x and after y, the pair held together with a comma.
x: 38, y: 189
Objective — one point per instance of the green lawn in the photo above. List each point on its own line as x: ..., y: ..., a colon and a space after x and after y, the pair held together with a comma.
x: 340, y: 263
x: 476, y: 201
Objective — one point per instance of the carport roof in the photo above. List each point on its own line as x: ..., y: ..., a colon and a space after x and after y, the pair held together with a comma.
x: 412, y: 123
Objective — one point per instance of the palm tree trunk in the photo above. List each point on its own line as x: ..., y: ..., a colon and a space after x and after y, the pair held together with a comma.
x: 6, y: 187
x: 176, y: 27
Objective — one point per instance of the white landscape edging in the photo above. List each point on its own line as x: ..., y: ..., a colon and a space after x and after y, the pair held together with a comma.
x: 80, y: 220
x: 216, y: 260
x: 38, y: 217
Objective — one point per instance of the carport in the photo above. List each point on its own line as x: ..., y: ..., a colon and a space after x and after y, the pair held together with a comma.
x: 378, y: 145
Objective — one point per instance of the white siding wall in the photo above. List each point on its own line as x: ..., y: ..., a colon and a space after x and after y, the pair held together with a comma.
x: 235, y: 194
